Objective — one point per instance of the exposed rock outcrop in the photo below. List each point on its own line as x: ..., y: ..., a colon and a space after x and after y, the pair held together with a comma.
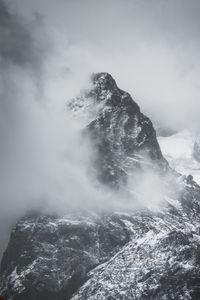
x: 124, y: 138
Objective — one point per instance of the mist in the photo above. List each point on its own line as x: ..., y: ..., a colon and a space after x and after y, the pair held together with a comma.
x: 44, y: 160
x: 150, y: 47
x: 47, y: 52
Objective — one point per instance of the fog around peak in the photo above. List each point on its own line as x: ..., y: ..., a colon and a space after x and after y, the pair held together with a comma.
x: 150, y: 47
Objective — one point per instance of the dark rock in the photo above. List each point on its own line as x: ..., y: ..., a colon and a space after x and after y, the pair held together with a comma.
x: 123, y: 137
x: 49, y: 257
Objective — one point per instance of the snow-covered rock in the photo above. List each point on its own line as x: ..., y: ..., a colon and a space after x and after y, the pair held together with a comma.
x: 181, y: 151
x: 123, y: 137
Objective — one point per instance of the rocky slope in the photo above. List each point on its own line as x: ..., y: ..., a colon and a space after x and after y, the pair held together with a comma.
x: 124, y: 138
x: 161, y: 261
x: 140, y: 254
x: 48, y: 257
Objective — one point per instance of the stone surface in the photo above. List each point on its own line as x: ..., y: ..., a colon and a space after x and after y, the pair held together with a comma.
x: 124, y: 138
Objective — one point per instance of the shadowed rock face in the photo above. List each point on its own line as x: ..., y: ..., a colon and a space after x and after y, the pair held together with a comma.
x: 145, y: 254
x: 124, y: 138
x: 140, y: 255
x: 48, y: 257
x: 162, y: 258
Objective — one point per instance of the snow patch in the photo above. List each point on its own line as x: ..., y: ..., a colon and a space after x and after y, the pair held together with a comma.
x: 178, y: 150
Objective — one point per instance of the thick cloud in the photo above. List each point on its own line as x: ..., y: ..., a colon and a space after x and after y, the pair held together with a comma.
x: 33, y: 124
x: 150, y: 47
x: 18, y: 43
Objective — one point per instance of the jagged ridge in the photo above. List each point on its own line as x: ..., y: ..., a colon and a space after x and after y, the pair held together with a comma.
x: 124, y: 138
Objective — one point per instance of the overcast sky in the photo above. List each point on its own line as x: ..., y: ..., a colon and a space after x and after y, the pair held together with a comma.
x: 150, y: 46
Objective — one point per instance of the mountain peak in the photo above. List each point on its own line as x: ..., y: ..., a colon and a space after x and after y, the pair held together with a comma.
x: 103, y: 78
x: 123, y: 137
x: 104, y: 87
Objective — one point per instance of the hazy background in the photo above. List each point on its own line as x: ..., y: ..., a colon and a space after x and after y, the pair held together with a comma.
x: 150, y: 46
x: 48, y: 49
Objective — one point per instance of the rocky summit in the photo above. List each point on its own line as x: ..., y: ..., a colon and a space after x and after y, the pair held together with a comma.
x: 129, y: 254
x: 124, y: 138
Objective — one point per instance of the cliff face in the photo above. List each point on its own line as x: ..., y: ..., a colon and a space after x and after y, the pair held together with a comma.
x: 140, y: 255
x: 49, y: 257
x: 124, y: 138
x: 161, y: 261
x: 144, y: 254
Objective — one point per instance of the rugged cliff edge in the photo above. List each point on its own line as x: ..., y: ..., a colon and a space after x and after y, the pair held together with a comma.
x: 145, y: 254
x: 124, y: 138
